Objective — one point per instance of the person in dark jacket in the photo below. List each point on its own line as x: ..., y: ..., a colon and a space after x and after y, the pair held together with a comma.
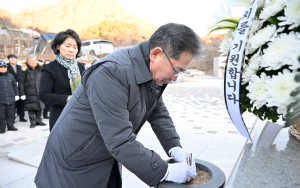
x: 8, y: 95
x: 16, y: 70
x: 29, y: 82
x: 61, y: 76
x: 98, y: 127
x: 47, y: 106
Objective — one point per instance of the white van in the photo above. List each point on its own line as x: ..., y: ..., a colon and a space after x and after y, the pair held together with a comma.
x: 97, y: 47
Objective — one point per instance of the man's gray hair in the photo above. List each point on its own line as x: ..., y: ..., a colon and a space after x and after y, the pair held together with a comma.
x: 176, y: 38
x: 31, y: 56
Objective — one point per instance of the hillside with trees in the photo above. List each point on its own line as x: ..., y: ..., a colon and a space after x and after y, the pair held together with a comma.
x: 6, y: 18
x: 120, y: 33
x: 85, y: 16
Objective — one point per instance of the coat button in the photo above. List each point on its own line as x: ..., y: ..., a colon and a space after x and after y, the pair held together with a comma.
x: 155, y: 163
x: 150, y: 88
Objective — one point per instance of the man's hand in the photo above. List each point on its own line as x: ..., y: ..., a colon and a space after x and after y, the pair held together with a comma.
x: 17, y: 98
x: 180, y: 173
x: 181, y: 155
x: 23, y: 97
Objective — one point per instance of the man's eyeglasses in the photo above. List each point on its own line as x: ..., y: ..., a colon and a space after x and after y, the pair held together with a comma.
x: 3, y: 66
x: 176, y: 73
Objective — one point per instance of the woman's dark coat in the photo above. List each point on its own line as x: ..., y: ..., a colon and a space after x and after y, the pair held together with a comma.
x: 8, y: 89
x: 29, y: 82
x: 99, y: 126
x: 55, y: 88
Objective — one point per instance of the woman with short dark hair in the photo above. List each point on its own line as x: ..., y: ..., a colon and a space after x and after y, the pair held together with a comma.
x: 61, y: 77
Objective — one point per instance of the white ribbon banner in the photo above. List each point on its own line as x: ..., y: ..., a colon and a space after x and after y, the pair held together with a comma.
x: 233, y: 69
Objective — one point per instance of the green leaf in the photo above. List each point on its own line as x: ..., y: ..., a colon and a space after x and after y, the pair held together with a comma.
x: 297, y: 78
x: 258, y: 11
x: 273, y: 20
x: 221, y: 28
x: 295, y: 92
x: 233, y: 21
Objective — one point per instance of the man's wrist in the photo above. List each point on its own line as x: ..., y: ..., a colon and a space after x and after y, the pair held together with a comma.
x: 166, y: 175
x: 171, y: 151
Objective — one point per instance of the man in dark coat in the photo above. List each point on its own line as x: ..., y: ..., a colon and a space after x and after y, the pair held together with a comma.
x: 16, y: 70
x: 8, y: 95
x: 47, y: 106
x: 29, y: 82
x: 118, y: 94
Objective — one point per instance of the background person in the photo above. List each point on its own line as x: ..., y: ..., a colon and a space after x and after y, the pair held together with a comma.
x: 15, y: 69
x: 117, y: 95
x: 29, y: 82
x: 61, y: 76
x: 47, y: 106
x: 8, y: 95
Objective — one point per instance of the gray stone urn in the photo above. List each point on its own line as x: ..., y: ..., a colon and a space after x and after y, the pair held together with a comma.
x: 217, y: 177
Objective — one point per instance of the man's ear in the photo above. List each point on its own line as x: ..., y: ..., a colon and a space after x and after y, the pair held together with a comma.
x: 155, y: 53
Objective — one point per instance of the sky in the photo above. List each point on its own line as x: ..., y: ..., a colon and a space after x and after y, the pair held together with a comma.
x: 196, y: 14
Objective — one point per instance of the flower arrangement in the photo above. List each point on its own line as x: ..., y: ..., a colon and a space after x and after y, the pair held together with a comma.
x: 271, y: 56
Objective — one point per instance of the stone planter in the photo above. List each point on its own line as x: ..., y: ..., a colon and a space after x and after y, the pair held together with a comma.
x: 217, y: 177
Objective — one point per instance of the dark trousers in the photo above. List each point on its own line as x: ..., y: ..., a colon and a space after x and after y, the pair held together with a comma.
x: 115, y: 180
x: 35, y: 116
x: 7, y: 116
x: 20, y: 105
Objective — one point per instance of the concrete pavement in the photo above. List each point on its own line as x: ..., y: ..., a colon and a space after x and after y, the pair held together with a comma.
x: 198, y: 112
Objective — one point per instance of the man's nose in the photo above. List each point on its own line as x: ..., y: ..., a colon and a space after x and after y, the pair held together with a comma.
x: 174, y: 78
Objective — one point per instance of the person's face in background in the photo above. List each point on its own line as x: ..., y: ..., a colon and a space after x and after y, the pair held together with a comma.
x: 68, y: 49
x: 3, y: 69
x: 32, y: 62
x: 12, y: 61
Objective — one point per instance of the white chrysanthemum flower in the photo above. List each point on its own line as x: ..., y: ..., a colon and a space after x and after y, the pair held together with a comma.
x: 294, y: 54
x: 261, y: 37
x: 279, y: 89
x: 257, y: 90
x: 252, y: 67
x: 279, y: 30
x: 278, y: 50
x: 292, y: 14
x: 226, y: 43
x: 256, y: 25
x: 271, y: 9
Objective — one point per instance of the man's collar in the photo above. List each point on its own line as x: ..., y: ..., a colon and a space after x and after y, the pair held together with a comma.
x: 140, y: 57
x: 11, y: 64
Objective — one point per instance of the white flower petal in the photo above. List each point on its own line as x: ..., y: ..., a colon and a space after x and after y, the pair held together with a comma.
x: 272, y: 8
x: 219, y: 15
x: 252, y: 67
x: 291, y: 12
x: 262, y: 36
x: 277, y: 50
x: 226, y: 43
x: 279, y: 89
x: 257, y: 90
x: 294, y: 54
